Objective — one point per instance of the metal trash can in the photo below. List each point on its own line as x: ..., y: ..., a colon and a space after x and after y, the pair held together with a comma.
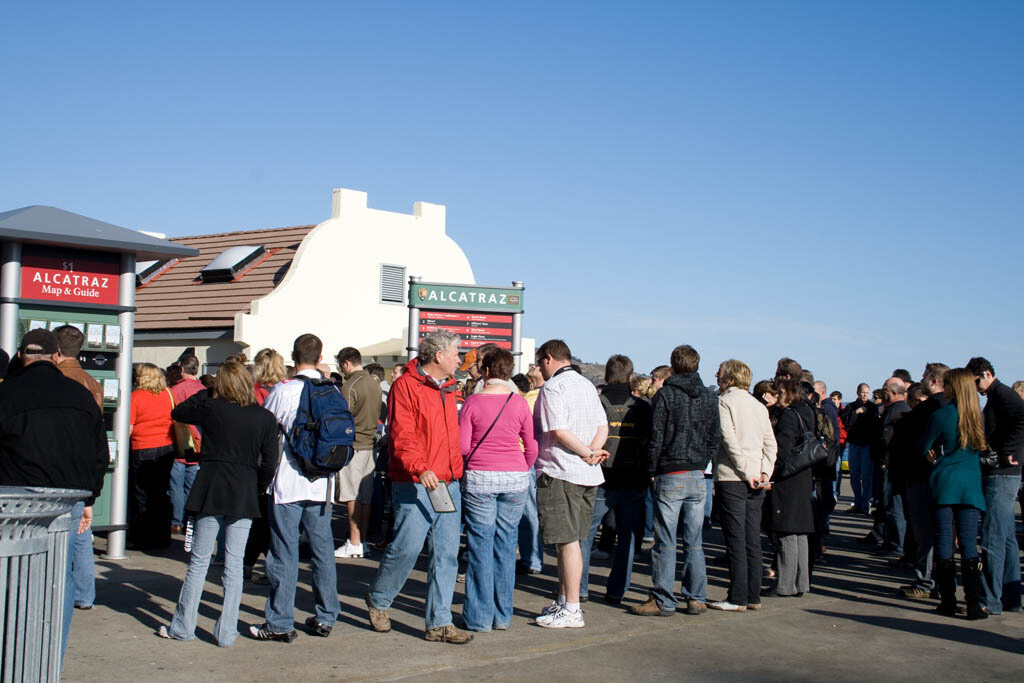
x: 34, y: 526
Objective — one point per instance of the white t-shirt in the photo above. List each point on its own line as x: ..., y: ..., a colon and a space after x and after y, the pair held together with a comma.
x: 290, y: 484
x: 568, y: 401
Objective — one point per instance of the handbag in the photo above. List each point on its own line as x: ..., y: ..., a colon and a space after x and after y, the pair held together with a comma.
x: 183, y: 442
x: 489, y: 428
x: 989, y: 460
x: 808, y: 452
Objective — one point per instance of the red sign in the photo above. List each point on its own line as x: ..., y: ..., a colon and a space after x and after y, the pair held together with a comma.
x: 68, y: 275
x: 475, y: 329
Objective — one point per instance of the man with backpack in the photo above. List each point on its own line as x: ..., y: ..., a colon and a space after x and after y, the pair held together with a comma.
x: 625, y: 476
x: 425, y: 466
x: 297, y: 503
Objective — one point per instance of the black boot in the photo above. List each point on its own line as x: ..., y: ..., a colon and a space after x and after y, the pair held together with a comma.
x: 945, y: 581
x: 972, y: 589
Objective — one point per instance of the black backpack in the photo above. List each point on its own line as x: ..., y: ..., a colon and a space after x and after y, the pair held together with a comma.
x: 626, y: 446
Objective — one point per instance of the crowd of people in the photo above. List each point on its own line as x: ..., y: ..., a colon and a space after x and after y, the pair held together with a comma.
x: 457, y: 446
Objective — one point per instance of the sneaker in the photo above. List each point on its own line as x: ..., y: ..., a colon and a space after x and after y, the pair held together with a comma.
x: 726, y: 606
x: 915, y: 592
x: 651, y: 609
x: 263, y: 632
x: 460, y: 577
x: 349, y: 550
x: 447, y: 634
x: 317, y: 627
x: 522, y: 569
x: 379, y: 619
x: 551, y: 609
x: 754, y: 606
x: 563, y: 618
x: 695, y: 607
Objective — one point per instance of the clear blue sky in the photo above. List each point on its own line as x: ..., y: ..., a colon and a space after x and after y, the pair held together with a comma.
x: 840, y: 182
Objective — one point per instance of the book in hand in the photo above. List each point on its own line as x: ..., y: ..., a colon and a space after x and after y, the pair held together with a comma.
x: 441, y: 498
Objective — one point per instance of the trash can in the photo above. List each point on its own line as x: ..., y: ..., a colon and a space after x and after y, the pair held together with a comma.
x: 34, y: 526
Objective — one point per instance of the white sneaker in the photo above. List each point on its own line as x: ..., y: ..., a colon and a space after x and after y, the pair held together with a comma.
x: 550, y: 609
x: 563, y: 618
x: 726, y: 606
x: 349, y: 550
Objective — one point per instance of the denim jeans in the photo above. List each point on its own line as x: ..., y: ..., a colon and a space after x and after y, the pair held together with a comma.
x: 183, y: 625
x: 82, y: 588
x: 628, y: 507
x: 966, y: 531
x: 182, y: 478
x: 739, y: 509
x: 839, y: 472
x: 69, y: 602
x: 862, y: 472
x: 283, y: 563
x: 1001, y: 560
x: 492, y: 529
x: 415, y: 521
x: 919, y: 516
x: 709, y: 498
x: 531, y: 546
x: 674, y: 494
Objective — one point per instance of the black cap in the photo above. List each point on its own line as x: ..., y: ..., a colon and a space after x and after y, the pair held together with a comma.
x: 39, y: 342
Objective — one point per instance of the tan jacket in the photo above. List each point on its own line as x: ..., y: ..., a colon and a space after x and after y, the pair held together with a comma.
x: 748, y: 441
x: 71, y: 369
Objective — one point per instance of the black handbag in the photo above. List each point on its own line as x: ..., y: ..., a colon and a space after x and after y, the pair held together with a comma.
x: 808, y: 452
x: 989, y: 460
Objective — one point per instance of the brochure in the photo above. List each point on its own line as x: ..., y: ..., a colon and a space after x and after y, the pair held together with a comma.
x: 113, y: 339
x: 441, y: 499
x: 94, y: 335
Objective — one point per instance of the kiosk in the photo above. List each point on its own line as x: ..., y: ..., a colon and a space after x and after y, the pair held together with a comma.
x: 63, y: 268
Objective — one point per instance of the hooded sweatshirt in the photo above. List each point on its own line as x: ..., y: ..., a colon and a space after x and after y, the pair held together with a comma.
x: 685, y: 432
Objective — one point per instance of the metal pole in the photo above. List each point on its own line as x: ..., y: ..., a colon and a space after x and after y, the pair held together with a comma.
x: 10, y: 287
x: 413, y: 336
x: 517, y: 331
x: 119, y: 482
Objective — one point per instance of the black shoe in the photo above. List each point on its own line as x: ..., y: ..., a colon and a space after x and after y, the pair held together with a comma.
x: 612, y: 600
x: 523, y: 569
x: 584, y: 598
x: 263, y: 632
x: 317, y: 627
x: 868, y: 539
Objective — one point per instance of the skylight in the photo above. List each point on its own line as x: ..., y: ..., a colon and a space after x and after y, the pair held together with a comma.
x: 230, y: 262
x: 147, y: 270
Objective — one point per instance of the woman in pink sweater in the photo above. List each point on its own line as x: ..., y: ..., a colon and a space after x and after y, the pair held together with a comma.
x: 496, y: 434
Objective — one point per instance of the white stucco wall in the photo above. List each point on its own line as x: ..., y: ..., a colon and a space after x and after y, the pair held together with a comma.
x: 333, y: 286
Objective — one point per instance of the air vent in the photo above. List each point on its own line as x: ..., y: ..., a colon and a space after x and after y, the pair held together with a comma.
x: 229, y: 263
x: 392, y: 284
x: 147, y: 270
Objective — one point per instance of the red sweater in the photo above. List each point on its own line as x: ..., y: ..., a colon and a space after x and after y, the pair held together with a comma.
x: 424, y: 427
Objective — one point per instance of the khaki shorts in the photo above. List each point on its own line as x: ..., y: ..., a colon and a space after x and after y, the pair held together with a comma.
x: 565, y: 509
x: 355, y: 480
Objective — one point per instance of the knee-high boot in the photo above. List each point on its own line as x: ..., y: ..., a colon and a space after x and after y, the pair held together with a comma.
x: 945, y: 580
x: 972, y: 589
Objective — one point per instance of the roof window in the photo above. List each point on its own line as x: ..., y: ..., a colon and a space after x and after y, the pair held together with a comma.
x: 145, y: 271
x: 229, y: 263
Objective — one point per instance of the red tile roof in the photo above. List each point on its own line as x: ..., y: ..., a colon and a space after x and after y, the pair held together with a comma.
x: 176, y: 298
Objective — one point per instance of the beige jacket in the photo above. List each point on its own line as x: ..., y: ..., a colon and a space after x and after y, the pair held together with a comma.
x: 748, y: 441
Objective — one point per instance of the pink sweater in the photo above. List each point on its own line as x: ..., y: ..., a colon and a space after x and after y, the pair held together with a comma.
x: 501, y: 451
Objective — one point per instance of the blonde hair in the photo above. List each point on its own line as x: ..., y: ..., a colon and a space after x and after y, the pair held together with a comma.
x: 268, y: 367
x: 735, y: 373
x: 640, y: 385
x: 150, y: 378
x: 233, y: 384
x: 960, y: 388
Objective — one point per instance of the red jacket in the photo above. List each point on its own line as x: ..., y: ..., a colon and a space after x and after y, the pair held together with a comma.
x: 424, y: 427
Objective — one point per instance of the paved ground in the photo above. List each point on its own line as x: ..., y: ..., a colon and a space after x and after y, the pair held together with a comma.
x: 851, y: 627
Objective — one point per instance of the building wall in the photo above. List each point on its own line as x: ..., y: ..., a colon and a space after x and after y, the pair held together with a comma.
x: 209, y: 352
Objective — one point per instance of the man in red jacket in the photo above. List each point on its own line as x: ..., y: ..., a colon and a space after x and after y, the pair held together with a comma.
x: 424, y: 461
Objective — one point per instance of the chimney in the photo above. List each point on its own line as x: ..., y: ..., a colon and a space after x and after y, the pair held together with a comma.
x: 349, y: 200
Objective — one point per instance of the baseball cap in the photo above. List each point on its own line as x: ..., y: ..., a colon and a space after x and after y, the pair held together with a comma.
x: 468, y: 360
x: 39, y: 342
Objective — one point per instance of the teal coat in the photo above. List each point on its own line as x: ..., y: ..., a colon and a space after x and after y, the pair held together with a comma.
x: 956, y: 478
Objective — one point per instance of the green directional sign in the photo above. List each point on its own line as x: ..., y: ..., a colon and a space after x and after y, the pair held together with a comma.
x: 444, y: 297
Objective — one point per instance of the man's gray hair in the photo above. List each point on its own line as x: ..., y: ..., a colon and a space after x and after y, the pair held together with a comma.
x: 435, y: 343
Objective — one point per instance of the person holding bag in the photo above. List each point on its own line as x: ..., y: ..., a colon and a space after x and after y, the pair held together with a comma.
x: 497, y: 442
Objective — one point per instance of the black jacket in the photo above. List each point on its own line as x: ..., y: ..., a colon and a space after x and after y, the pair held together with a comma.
x: 1004, y: 425
x: 627, y: 440
x: 862, y: 429
x: 51, y: 432
x: 791, y: 510
x: 239, y: 456
x: 905, y: 460
x: 685, y: 429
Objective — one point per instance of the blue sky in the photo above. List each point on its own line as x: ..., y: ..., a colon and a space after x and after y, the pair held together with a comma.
x: 834, y: 181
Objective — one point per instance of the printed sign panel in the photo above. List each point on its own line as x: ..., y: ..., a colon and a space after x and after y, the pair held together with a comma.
x: 474, y: 329
x: 52, y: 274
x: 465, y: 297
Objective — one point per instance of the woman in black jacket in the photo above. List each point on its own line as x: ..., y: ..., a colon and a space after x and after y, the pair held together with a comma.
x: 790, y: 506
x: 239, y: 458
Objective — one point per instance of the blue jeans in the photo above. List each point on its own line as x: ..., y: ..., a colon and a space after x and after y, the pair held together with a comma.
x: 862, y: 473
x: 839, y: 472
x: 182, y: 478
x: 628, y: 507
x: 966, y: 531
x: 492, y: 528
x: 283, y: 563
x: 709, y: 499
x: 649, y: 514
x: 531, y: 546
x: 415, y: 521
x: 82, y: 587
x: 69, y: 581
x: 1001, y: 561
x: 183, y: 625
x: 675, y: 493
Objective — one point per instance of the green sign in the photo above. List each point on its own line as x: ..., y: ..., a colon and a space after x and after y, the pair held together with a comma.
x: 444, y: 297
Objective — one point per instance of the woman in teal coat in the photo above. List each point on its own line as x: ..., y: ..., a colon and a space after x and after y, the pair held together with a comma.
x: 952, y: 440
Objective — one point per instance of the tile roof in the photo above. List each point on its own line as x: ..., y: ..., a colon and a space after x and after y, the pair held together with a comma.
x: 176, y: 298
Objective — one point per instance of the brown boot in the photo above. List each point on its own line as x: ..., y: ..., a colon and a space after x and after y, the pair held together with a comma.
x: 448, y: 634
x: 651, y: 609
x: 379, y: 619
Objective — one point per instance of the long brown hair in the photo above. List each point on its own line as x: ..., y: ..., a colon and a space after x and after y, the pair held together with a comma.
x: 959, y: 386
x: 234, y: 384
